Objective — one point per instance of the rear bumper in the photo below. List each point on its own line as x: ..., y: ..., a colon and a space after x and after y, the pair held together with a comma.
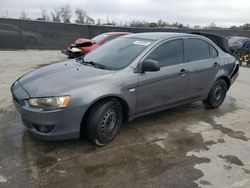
x: 235, y: 73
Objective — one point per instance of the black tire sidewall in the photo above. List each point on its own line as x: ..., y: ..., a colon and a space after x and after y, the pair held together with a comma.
x: 211, y: 100
x: 95, y: 118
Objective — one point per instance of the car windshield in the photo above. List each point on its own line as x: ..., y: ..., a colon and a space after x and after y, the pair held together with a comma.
x: 98, y: 38
x: 118, y: 53
x: 237, y: 39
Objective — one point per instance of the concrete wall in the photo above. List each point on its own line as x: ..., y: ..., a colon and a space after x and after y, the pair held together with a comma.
x: 24, y: 34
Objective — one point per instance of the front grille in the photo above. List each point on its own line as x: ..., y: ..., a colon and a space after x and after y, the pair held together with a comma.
x: 37, y: 127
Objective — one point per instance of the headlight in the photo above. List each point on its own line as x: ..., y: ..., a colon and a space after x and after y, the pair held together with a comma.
x: 50, y: 103
x: 76, y: 50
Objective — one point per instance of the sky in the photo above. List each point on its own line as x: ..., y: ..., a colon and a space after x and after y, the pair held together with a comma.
x: 223, y: 13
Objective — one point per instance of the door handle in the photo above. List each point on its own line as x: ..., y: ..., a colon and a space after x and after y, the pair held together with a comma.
x: 215, y: 65
x: 183, y: 72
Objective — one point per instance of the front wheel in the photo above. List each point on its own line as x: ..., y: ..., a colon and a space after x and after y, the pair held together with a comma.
x: 216, y: 95
x: 104, y: 121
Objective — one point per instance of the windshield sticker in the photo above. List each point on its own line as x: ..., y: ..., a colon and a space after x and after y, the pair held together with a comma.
x: 143, y: 43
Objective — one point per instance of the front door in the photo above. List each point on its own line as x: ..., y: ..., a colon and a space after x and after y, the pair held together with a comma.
x: 167, y: 86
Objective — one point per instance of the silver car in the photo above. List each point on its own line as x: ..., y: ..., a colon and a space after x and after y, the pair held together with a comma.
x: 128, y: 77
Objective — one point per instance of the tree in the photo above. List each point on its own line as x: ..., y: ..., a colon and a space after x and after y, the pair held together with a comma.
x: 56, y: 14
x: 212, y: 25
x: 66, y: 13
x: 82, y: 17
x: 246, y: 26
x: 45, y: 16
x: 23, y: 15
x: 90, y: 20
x: 98, y: 21
x: 138, y: 23
x: 197, y: 27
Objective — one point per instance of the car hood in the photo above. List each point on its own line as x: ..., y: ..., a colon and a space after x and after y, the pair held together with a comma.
x: 81, y: 40
x: 61, y: 78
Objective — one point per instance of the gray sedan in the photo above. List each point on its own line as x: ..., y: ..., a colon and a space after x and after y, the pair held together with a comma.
x: 126, y: 78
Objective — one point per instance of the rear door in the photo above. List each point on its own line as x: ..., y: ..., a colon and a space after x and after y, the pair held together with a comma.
x: 167, y: 86
x: 201, y: 64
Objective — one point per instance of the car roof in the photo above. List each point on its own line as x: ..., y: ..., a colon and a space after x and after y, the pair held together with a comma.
x: 117, y: 33
x: 158, y: 35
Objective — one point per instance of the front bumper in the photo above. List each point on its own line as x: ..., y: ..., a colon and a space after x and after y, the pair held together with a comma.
x: 62, y: 124
x: 71, y: 54
x: 66, y: 52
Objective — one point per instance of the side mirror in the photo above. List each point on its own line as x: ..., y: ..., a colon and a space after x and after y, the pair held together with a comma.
x: 149, y: 65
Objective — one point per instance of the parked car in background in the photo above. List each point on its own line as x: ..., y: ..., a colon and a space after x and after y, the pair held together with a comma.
x: 236, y: 43
x: 243, y: 55
x: 83, y: 46
x: 129, y: 77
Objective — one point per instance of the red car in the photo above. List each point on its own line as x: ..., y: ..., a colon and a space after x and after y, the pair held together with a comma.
x: 82, y: 46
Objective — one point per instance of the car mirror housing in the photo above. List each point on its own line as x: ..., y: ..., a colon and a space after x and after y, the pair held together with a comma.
x: 149, y: 65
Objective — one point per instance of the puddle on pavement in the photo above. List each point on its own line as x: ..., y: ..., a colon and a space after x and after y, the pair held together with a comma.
x: 204, y: 182
x: 232, y: 160
x: 138, y: 156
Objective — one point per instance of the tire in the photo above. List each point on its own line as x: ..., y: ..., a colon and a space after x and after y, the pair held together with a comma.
x: 104, y: 121
x: 216, y: 94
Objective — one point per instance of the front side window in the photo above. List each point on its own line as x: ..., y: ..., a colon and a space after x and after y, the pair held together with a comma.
x: 168, y: 53
x: 196, y: 49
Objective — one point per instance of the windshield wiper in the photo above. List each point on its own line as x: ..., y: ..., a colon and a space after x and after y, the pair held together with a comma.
x: 93, y: 63
x: 97, y: 65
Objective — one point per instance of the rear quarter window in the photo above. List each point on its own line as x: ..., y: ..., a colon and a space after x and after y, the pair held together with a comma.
x: 213, y: 51
x: 197, y: 49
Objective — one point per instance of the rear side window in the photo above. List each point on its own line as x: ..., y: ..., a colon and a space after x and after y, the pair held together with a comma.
x: 168, y: 53
x: 213, y: 51
x: 197, y: 50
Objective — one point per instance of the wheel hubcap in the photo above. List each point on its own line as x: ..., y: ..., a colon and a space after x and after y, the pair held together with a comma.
x: 218, y: 93
x: 109, y: 122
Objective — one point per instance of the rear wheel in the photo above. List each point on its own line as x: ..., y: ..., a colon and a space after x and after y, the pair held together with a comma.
x: 104, y: 121
x: 216, y: 95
